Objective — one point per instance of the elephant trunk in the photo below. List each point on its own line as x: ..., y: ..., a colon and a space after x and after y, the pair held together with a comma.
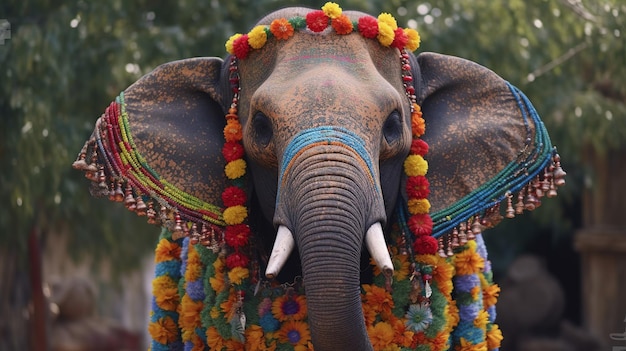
x: 329, y: 199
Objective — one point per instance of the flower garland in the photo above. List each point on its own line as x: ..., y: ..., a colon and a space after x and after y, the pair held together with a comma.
x: 384, y: 28
x: 164, y: 317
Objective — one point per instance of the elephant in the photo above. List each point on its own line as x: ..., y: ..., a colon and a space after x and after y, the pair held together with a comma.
x: 323, y: 187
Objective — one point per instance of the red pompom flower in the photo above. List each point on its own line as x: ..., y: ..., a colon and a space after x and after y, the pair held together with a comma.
x: 425, y: 245
x: 368, y: 26
x: 232, y: 151
x: 419, y: 147
x: 421, y: 224
x: 237, y: 235
x: 237, y: 259
x: 241, y: 48
x: 317, y: 20
x: 400, y: 39
x: 417, y: 187
x: 234, y: 196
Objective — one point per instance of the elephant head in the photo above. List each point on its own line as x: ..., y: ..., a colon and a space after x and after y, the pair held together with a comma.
x: 322, y: 115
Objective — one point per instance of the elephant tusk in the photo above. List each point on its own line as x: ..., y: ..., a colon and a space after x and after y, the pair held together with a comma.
x: 283, y: 246
x: 375, y: 242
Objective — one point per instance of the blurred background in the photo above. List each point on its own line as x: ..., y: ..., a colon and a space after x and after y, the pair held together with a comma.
x: 75, y: 271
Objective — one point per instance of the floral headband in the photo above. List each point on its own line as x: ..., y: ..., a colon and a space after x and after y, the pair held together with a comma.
x: 384, y: 28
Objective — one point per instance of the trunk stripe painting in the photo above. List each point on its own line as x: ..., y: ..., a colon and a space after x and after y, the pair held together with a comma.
x: 244, y: 160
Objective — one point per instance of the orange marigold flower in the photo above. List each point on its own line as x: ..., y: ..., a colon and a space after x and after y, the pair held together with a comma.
x: 475, y: 292
x: 468, y: 346
x: 440, y: 342
x: 166, y: 251
x: 194, y: 265
x: 228, y: 306
x: 468, y: 262
x: 381, y: 335
x: 490, y: 295
x: 289, y: 307
x: 281, y: 28
x: 167, y: 299
x: 232, y: 131
x: 402, y: 336
x: 494, y: 337
x: 453, y: 314
x: 342, y: 25
x: 190, y: 313
x: 379, y: 298
x: 401, y: 267
x: 255, y: 340
x: 164, y: 330
x: 418, y: 125
x: 214, y: 339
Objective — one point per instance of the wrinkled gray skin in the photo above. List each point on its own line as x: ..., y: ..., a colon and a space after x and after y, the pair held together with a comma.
x: 327, y: 195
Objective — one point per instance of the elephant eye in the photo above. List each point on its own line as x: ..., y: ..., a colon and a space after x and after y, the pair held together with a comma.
x: 262, y: 129
x: 392, y: 129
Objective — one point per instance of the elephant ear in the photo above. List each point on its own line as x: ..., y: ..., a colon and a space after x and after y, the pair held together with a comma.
x: 487, y: 144
x: 158, y: 147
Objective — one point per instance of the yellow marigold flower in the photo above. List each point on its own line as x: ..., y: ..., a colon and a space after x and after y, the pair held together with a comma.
x: 418, y: 206
x: 388, y: 19
x: 414, y: 39
x: 163, y: 282
x: 490, y: 295
x: 385, y: 34
x: 235, y: 169
x: 257, y: 37
x: 214, y: 339
x: 237, y: 275
x: 215, y: 312
x: 468, y: 262
x: 482, y: 319
x: 415, y: 165
x: 235, y: 214
x: 401, y: 267
x: 166, y: 251
x: 332, y: 10
x: 381, y: 335
x: 163, y: 330
x: 494, y: 337
x: 229, y: 43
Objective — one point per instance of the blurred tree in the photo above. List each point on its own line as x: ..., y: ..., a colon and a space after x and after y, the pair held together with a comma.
x: 64, y: 61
